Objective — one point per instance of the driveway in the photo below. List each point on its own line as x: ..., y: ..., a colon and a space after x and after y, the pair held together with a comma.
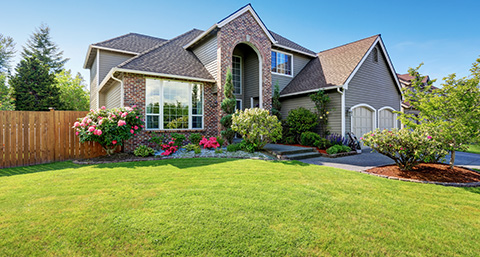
x: 370, y: 159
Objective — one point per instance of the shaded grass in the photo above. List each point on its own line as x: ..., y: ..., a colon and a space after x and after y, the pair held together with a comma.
x: 474, y: 149
x: 221, y: 207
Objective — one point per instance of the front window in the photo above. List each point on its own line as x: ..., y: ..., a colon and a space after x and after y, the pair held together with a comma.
x: 173, y: 105
x: 237, y: 74
x: 281, y: 63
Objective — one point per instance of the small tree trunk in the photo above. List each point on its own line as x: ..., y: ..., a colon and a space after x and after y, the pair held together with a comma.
x: 452, y: 159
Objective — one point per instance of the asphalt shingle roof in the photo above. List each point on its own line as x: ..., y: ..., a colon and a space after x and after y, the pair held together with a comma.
x: 170, y: 58
x: 131, y: 42
x: 290, y: 44
x: 331, y: 67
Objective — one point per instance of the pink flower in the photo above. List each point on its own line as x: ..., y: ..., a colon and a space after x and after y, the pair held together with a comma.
x: 103, y: 108
x: 114, y: 142
x: 91, y: 129
x: 136, y: 117
x: 76, y: 133
x: 136, y: 127
x: 121, y: 123
x: 401, y: 148
x: 124, y: 114
x: 100, y: 122
x: 141, y: 126
x: 361, y: 138
x: 84, y: 120
x: 97, y: 132
x: 134, y: 106
x: 100, y: 117
x: 113, y: 116
x: 82, y: 124
x: 131, y: 131
x: 373, y: 135
x: 429, y: 137
x: 89, y: 120
x: 76, y: 124
x: 91, y: 110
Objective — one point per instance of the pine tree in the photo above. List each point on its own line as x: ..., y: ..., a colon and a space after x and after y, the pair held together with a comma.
x: 228, y: 106
x: 7, y: 51
x: 40, y: 44
x: 34, y: 86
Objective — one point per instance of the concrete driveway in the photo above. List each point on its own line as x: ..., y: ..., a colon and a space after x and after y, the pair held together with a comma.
x: 370, y: 159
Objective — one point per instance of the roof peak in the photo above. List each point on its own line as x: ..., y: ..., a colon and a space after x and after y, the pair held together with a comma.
x: 377, y: 35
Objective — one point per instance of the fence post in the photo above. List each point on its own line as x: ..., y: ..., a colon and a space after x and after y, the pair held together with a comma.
x: 53, y: 134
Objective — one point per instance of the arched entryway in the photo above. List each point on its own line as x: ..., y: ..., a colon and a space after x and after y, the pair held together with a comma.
x: 247, y: 76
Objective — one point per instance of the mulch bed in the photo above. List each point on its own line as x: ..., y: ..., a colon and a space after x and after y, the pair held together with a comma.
x: 431, y: 172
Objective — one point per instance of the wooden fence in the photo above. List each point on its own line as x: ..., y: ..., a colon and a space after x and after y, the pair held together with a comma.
x: 28, y: 138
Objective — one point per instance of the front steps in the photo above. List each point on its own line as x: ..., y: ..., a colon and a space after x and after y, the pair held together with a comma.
x: 288, y: 152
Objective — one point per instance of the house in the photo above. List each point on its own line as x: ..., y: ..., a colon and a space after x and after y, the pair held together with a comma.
x: 406, y: 82
x: 178, y: 83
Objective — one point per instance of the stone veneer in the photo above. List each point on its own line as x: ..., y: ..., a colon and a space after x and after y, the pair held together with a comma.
x: 243, y: 29
x: 134, y: 90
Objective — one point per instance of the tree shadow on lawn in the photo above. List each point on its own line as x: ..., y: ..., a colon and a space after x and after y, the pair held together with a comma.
x: 293, y: 163
x: 475, y: 190
x: 180, y: 163
x: 6, y: 172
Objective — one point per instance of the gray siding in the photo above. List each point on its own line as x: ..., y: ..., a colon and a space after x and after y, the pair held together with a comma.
x: 113, y: 96
x: 250, y: 78
x: 334, y: 109
x: 373, y: 84
x: 108, y: 60
x: 299, y: 62
x: 206, y: 52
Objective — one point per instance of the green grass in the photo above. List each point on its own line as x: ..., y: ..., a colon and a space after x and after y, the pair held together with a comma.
x: 220, y: 207
x: 474, y: 149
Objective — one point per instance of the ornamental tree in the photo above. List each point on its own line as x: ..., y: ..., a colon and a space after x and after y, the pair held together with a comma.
x: 321, y: 101
x: 406, y: 147
x: 276, y: 104
x: 110, y: 128
x: 228, y: 106
x: 453, y: 109
x: 257, y: 127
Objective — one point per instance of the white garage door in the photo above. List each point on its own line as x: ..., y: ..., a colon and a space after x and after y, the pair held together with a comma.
x: 386, y: 119
x: 362, y: 121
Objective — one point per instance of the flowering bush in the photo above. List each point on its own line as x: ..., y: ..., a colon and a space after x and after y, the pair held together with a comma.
x: 109, y: 128
x: 406, y: 147
x: 209, y: 143
x: 169, y: 148
x: 257, y: 127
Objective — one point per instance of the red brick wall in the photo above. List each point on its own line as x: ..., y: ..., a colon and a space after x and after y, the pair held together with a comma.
x: 244, y: 29
x: 134, y: 89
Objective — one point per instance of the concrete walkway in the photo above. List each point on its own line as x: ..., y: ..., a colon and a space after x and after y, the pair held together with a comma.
x: 368, y: 159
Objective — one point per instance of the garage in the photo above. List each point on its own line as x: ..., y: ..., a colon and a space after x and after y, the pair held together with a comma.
x: 363, y: 120
x: 386, y: 119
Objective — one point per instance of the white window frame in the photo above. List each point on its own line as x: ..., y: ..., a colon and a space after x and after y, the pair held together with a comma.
x: 241, y: 75
x: 190, y: 115
x: 276, y: 58
x: 241, y: 104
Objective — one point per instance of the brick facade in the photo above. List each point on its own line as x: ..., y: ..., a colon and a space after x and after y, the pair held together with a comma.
x: 134, y: 90
x: 244, y: 29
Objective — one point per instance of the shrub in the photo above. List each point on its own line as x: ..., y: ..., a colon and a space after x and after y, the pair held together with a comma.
x: 220, y: 141
x: 336, y: 139
x: 178, y: 139
x: 110, y: 128
x: 338, y: 149
x: 257, y: 127
x: 209, y: 143
x: 218, y: 151
x: 156, y: 139
x: 195, y: 138
x: 300, y: 120
x: 407, y: 147
x: 169, y: 148
x: 197, y: 150
x: 322, y: 143
x: 321, y: 101
x: 247, y: 147
x: 144, y: 151
x: 234, y: 147
x: 192, y: 147
x: 309, y: 138
x: 228, y: 106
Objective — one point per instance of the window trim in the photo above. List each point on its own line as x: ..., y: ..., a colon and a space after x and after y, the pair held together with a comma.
x: 276, y: 58
x: 241, y: 104
x: 190, y: 115
x: 241, y: 75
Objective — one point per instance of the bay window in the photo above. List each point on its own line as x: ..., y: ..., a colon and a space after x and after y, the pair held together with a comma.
x: 281, y: 63
x: 173, y: 105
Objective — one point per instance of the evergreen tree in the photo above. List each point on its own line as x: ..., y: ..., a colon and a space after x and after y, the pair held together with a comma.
x: 7, y: 51
x: 276, y: 104
x: 228, y: 106
x: 34, y: 86
x: 40, y: 45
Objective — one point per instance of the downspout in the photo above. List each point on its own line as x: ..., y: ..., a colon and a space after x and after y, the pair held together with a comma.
x: 121, y: 89
x: 342, y: 92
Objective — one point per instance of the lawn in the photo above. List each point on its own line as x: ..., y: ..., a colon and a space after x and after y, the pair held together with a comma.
x: 474, y: 149
x: 220, y: 207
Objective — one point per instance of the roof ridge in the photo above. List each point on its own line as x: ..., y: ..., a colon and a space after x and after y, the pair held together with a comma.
x: 234, y: 12
x: 377, y: 35
x: 143, y: 35
x: 155, y: 47
x: 121, y: 36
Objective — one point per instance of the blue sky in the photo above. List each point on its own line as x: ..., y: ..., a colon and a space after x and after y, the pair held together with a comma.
x: 445, y: 35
